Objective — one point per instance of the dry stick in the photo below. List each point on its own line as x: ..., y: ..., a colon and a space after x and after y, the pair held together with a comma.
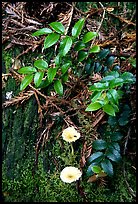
x: 97, y: 31
x: 124, y: 172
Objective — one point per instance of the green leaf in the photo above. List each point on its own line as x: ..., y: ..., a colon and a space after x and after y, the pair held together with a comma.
x: 82, y: 55
x: 116, y: 82
x: 115, y: 74
x: 116, y: 109
x: 27, y: 70
x: 112, y: 121
x: 113, y: 155
x: 79, y: 46
x: 58, y: 87
x: 103, y: 53
x: 95, y: 49
x: 96, y: 169
x: 107, y: 78
x: 122, y: 121
x: 109, y: 62
x: 44, y: 83
x: 128, y: 77
x: 93, y: 106
x: 41, y: 64
x: 132, y: 61
x: 98, y: 67
x: 26, y: 81
x: 114, y: 94
x: 51, y: 39
x: 57, y: 60
x: 38, y: 78
x: 65, y: 67
x: 99, y: 86
x: 116, y: 136
x: 109, y: 109
x: 42, y: 32
x: 99, y: 144
x: 89, y: 171
x: 76, y: 30
x: 65, y: 45
x: 116, y: 146
x: 51, y: 73
x: 96, y: 96
x: 89, y: 67
x: 95, y: 156
x: 107, y: 167
x: 89, y: 36
x: 65, y: 77
x: 58, y: 27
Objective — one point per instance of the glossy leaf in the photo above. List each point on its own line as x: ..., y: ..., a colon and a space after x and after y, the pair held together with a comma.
x: 27, y: 70
x: 41, y: 64
x: 96, y: 169
x: 79, y: 46
x: 57, y: 60
x: 107, y: 167
x: 116, y: 68
x: 65, y: 77
x: 51, y: 39
x: 51, y: 73
x: 65, y: 45
x: 42, y: 31
x: 109, y: 109
x: 95, y: 156
x: 96, y: 96
x: 65, y: 67
x: 82, y: 55
x: 98, y: 67
x: 58, y: 27
x: 89, y: 67
x: 93, y: 106
x: 115, y: 74
x: 123, y: 121
x: 109, y: 62
x: 95, y: 49
x: 76, y: 30
x: 89, y: 36
x: 107, y: 78
x: 112, y: 121
x: 128, y: 77
x: 114, y: 94
x: 89, y: 171
x: 26, y: 81
x: 116, y: 82
x: 103, y: 53
x: 116, y: 146
x: 58, y: 87
x: 116, y: 136
x: 99, y: 86
x: 99, y: 144
x: 38, y: 78
x: 113, y: 155
x: 44, y: 83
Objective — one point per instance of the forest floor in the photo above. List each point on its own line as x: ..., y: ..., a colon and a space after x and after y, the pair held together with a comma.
x: 33, y: 151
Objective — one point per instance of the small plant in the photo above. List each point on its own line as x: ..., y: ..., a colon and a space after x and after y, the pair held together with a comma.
x: 56, y: 74
x: 107, y: 92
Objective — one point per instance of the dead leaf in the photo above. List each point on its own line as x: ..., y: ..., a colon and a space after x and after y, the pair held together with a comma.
x: 92, y: 178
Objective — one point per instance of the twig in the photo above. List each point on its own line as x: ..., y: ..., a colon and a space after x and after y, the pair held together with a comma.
x: 127, y: 137
x: 128, y: 186
x: 97, y: 31
x: 39, y: 110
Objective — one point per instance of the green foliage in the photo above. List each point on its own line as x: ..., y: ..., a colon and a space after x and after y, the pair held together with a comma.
x: 107, y: 93
x: 43, y: 74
